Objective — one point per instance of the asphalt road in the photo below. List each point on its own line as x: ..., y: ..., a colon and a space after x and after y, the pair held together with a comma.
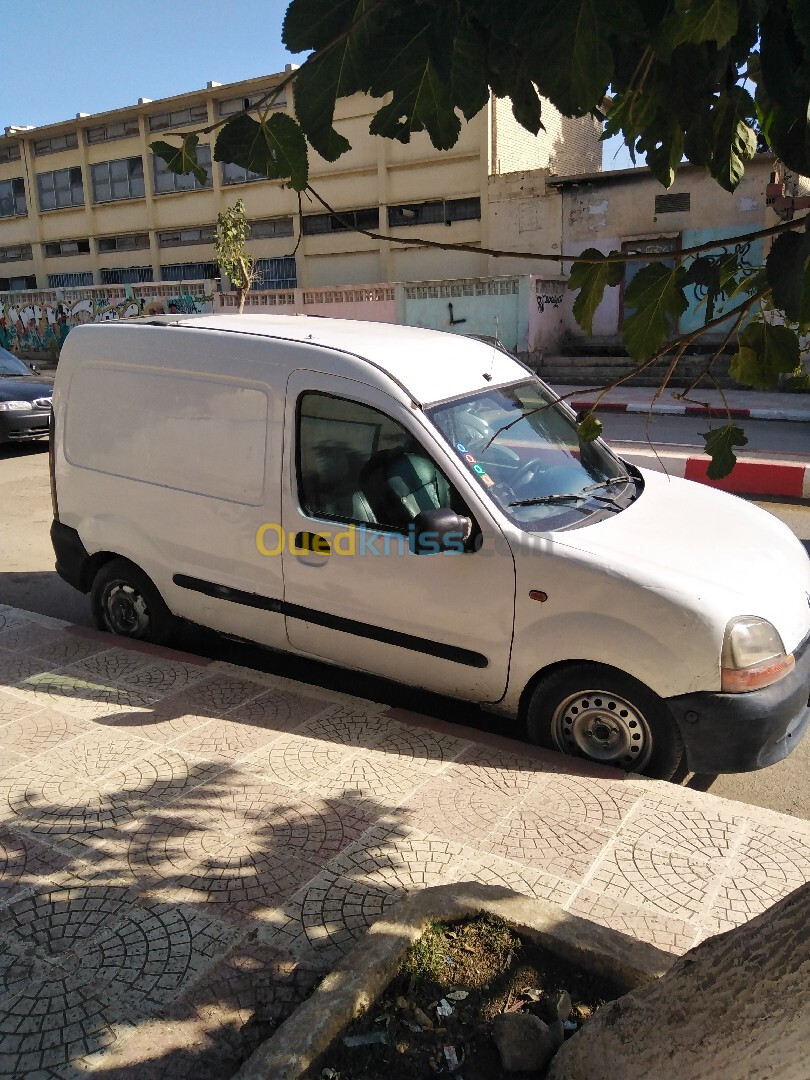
x: 27, y: 580
x: 763, y: 435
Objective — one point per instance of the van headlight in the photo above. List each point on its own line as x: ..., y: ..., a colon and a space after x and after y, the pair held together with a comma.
x: 15, y: 406
x: 753, y: 655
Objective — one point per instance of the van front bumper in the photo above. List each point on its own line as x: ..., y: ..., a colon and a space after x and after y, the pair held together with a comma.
x: 741, y: 732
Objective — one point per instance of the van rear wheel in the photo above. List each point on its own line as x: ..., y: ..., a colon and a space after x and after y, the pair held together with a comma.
x: 125, y: 602
x: 595, y: 712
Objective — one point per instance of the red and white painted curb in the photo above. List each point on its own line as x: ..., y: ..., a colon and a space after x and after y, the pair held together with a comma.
x: 708, y: 411
x: 788, y: 478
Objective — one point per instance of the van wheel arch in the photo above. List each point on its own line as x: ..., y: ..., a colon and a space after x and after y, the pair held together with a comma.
x: 125, y: 601
x: 92, y: 566
x: 604, y: 715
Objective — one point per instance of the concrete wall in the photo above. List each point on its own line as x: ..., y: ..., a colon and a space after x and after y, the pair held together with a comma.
x: 35, y: 324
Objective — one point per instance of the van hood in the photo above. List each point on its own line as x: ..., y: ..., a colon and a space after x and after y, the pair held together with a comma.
x: 723, y: 552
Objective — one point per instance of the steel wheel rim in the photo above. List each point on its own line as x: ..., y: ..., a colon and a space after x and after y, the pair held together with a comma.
x: 604, y: 727
x: 125, y: 610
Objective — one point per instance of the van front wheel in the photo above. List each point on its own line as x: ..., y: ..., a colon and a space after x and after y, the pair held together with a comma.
x: 125, y: 602
x: 595, y: 712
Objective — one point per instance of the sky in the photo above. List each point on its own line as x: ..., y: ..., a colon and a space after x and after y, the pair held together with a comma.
x: 61, y: 57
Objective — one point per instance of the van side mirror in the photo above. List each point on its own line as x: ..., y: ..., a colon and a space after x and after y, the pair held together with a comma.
x: 438, y: 530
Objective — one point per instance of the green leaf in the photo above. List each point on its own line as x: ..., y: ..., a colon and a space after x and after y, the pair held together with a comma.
x: 788, y: 269
x: 766, y: 351
x: 274, y: 146
x: 311, y: 24
x: 663, y: 146
x: 703, y: 20
x: 721, y: 137
x: 181, y: 159
x: 573, y: 61
x: 592, y: 279
x: 588, y: 427
x: 657, y: 298
x: 468, y: 71
x: 720, y: 445
x: 421, y: 98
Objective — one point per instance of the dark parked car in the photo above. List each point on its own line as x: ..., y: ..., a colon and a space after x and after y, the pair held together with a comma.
x: 25, y: 400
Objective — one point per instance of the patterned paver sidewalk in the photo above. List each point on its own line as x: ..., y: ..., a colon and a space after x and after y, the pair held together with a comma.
x: 185, y: 847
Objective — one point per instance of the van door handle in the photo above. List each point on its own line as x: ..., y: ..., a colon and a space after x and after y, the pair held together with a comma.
x: 312, y: 542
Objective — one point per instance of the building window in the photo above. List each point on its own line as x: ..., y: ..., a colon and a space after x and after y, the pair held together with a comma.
x: 313, y: 224
x: 195, y: 115
x: 70, y: 281
x: 60, y: 189
x: 672, y: 203
x: 166, y: 180
x: 444, y: 211
x: 12, y: 198
x: 111, y: 132
x: 56, y: 143
x: 198, y: 271
x: 275, y: 273
x: 9, y: 152
x: 16, y: 254
x: 235, y: 174
x: 131, y: 242
x: 67, y: 247
x: 182, y: 237
x: 114, y: 180
x: 231, y: 106
x: 271, y: 227
x: 127, y: 275
x: 18, y: 284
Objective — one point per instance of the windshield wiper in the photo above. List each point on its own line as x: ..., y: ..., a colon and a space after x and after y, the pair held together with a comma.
x: 578, y: 496
x: 623, y: 478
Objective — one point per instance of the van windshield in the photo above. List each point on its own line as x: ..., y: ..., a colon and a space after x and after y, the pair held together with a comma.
x: 524, y: 450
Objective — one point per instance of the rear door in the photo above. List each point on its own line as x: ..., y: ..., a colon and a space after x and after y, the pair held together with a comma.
x: 354, y: 593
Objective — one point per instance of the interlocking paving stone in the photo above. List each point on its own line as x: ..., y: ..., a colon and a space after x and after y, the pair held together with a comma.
x: 225, y: 740
x: 383, y: 779
x: 16, y: 707
x: 12, y: 619
x: 358, y: 725
x: 213, y: 695
x: 163, y: 676
x: 16, y: 667
x: 672, y: 934
x: 450, y: 805
x: 91, y: 755
x: 295, y: 761
x: 161, y: 772
x: 508, y: 773
x: 26, y: 864
x: 61, y: 649
x: 661, y: 878
x: 39, y: 732
x: 587, y: 802
x: 22, y: 635
x: 102, y: 961
x: 58, y: 807
x: 556, y: 845
x: 278, y: 709
x: 420, y: 745
x: 110, y: 665
x: 67, y: 692
x: 660, y: 821
x: 524, y: 879
x: 769, y: 863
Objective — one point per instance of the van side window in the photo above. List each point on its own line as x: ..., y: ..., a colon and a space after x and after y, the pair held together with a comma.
x: 356, y: 464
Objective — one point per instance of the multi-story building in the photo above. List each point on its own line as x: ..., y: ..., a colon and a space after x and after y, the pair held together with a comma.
x: 85, y: 202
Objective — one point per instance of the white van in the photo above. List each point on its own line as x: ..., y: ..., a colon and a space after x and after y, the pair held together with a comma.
x: 417, y: 505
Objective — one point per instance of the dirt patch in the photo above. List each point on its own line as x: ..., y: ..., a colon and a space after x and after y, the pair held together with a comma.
x: 435, y: 1016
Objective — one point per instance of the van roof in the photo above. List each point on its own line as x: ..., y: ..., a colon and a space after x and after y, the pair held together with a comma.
x: 430, y: 365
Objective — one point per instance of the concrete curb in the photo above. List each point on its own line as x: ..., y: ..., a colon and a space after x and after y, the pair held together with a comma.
x: 766, y: 476
x: 706, y: 411
x: 363, y: 973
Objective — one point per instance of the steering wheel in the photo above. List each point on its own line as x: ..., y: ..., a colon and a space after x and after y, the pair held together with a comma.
x: 474, y: 432
x: 528, y: 471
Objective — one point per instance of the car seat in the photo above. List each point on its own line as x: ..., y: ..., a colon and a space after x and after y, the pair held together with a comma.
x: 395, y: 486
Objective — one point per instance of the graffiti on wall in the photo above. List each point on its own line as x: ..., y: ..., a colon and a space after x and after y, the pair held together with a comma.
x: 545, y: 300
x: 31, y: 327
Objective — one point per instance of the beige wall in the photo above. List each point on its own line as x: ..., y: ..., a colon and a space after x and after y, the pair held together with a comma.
x: 564, y: 145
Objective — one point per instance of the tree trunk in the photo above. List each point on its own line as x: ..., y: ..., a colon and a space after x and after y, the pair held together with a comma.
x: 736, y: 1007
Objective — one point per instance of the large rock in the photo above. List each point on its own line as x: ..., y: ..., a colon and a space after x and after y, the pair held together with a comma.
x: 524, y: 1042
x: 737, y: 1007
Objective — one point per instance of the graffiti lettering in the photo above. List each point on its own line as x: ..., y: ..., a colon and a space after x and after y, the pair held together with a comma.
x: 42, y: 327
x: 545, y: 300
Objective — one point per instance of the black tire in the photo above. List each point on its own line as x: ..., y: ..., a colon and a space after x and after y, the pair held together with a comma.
x: 125, y: 602
x: 600, y: 714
